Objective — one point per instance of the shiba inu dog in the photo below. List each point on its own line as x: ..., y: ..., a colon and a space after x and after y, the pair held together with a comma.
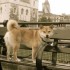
x: 32, y: 38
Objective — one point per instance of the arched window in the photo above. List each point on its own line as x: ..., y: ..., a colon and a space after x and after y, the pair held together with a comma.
x: 0, y: 9
x: 14, y: 10
x: 22, y: 10
x: 27, y: 12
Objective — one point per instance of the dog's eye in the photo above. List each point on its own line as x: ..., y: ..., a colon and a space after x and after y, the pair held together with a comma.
x: 44, y: 31
x: 49, y: 31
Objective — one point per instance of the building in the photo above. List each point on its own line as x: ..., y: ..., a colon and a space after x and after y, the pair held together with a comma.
x: 21, y: 10
x: 51, y: 17
x: 46, y: 7
x: 45, y: 10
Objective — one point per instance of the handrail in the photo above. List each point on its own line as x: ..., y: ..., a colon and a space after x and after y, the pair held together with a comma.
x: 42, y: 48
x: 37, y: 23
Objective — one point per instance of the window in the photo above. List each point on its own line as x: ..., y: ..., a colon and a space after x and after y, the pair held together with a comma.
x: 27, y: 12
x: 14, y: 10
x: 34, y: 3
x: 22, y: 10
x: 0, y: 9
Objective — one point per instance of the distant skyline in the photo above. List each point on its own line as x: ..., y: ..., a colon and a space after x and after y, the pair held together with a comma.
x: 57, y: 6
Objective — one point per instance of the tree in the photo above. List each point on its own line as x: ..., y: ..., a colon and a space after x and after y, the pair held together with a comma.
x: 43, y: 19
x: 49, y: 20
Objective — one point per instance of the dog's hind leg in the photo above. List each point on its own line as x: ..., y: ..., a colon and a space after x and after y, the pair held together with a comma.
x: 15, y: 50
x: 8, y: 52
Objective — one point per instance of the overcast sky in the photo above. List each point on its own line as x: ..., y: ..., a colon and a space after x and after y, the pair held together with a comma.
x: 57, y: 6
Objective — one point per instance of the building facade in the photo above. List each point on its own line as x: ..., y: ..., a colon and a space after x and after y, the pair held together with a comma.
x: 21, y: 10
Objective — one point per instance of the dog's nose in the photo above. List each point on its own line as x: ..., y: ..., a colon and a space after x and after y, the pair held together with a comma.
x: 47, y: 36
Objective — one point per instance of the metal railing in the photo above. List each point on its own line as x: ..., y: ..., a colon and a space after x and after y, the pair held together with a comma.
x: 55, y: 56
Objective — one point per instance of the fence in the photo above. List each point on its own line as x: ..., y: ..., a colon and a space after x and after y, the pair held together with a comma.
x: 48, y: 57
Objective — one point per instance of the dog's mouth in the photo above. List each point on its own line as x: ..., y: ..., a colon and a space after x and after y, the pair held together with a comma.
x: 45, y: 39
x: 44, y: 36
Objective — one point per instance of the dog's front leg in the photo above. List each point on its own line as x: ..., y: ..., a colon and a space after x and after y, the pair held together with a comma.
x: 34, y: 53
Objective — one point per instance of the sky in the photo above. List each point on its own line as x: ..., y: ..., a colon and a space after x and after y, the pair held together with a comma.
x: 57, y: 6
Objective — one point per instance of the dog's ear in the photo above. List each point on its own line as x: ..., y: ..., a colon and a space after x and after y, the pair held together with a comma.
x: 51, y: 26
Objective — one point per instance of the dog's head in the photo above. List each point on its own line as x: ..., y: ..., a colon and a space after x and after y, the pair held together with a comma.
x: 46, y: 31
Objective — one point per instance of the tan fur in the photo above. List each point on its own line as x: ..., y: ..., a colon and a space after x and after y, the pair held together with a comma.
x: 32, y: 38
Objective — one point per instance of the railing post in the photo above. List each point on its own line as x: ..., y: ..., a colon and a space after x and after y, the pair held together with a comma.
x: 39, y: 56
x: 54, y: 53
x: 0, y: 66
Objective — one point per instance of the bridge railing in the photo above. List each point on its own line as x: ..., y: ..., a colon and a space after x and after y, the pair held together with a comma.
x: 58, y: 54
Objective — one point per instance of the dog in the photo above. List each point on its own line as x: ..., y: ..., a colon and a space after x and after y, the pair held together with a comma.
x: 32, y: 38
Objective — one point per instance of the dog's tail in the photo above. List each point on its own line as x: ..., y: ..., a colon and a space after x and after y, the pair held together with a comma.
x: 12, y: 24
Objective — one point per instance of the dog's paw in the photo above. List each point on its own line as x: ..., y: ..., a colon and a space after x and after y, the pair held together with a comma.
x: 9, y: 58
x: 34, y: 61
x: 18, y: 60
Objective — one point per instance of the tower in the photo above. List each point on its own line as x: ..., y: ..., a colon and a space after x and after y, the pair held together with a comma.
x: 46, y: 7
